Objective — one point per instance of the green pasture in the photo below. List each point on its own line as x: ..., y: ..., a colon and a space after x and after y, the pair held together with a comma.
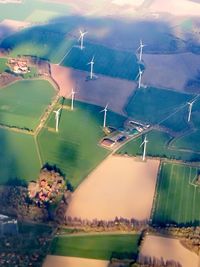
x: 110, y: 62
x: 190, y: 139
x: 18, y: 157
x: 158, y: 146
x: 188, y: 142
x: 39, y: 15
x: 3, y: 66
x: 75, y: 149
x: 27, y: 10
x: 23, y: 103
x: 177, y: 199
x: 48, y: 41
x: 153, y: 105
x: 101, y: 247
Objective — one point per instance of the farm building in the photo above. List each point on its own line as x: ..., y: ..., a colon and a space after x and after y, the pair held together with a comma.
x: 107, y: 142
x: 18, y: 65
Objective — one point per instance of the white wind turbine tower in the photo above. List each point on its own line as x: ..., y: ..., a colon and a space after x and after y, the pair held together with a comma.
x: 105, y: 115
x: 91, y: 63
x: 72, y: 99
x: 144, y: 148
x: 140, y: 49
x: 140, y: 77
x: 190, y: 109
x: 82, y: 34
x: 57, y: 116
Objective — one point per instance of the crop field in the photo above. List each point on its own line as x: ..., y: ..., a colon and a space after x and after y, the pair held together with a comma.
x: 74, y: 149
x: 23, y: 103
x: 18, y: 156
x: 96, y: 246
x: 152, y: 105
x: 177, y: 197
x: 124, y: 64
x: 41, y: 41
x: 157, y: 147
x: 27, y: 9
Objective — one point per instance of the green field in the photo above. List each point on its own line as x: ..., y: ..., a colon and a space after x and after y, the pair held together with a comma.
x: 41, y: 41
x: 96, y: 246
x: 3, y: 66
x: 23, y: 103
x: 153, y: 105
x: 74, y: 149
x: 188, y: 142
x: 177, y: 201
x: 114, y: 63
x: 19, y: 158
x: 157, y: 147
x: 26, y: 10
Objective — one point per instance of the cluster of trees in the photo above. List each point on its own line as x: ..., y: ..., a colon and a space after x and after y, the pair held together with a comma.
x: 103, y: 225
x: 146, y: 261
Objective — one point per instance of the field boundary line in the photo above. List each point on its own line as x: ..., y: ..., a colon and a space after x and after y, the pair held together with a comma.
x: 38, y: 151
x: 65, y: 55
x: 156, y: 195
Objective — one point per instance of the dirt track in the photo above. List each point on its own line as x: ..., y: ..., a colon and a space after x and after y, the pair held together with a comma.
x: 104, y: 90
x: 119, y: 186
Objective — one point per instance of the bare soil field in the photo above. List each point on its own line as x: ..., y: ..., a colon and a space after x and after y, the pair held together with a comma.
x: 119, y: 186
x: 8, y: 27
x: 60, y: 261
x: 177, y: 8
x: 171, y: 71
x: 168, y: 249
x: 101, y: 91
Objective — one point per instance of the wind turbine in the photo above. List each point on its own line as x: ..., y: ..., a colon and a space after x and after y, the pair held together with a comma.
x: 82, y: 34
x: 140, y: 77
x: 91, y: 63
x: 57, y: 116
x: 140, y: 49
x: 72, y: 99
x: 105, y: 115
x: 144, y: 148
x: 190, y: 109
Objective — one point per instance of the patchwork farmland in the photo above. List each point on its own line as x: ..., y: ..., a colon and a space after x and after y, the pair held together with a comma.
x: 153, y: 106
x: 131, y: 171
x: 75, y: 148
x: 177, y: 196
x: 158, y: 146
x: 103, y: 56
x: 41, y: 41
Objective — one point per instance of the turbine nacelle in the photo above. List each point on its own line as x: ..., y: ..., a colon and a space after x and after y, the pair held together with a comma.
x: 82, y: 34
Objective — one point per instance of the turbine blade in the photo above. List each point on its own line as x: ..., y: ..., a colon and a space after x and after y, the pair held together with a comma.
x: 142, y: 144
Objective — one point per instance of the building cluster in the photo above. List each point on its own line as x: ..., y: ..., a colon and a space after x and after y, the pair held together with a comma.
x: 47, y: 188
x: 8, y: 226
x: 115, y: 137
x: 18, y: 65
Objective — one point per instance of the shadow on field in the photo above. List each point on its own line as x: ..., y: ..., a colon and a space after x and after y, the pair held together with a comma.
x: 111, y: 32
